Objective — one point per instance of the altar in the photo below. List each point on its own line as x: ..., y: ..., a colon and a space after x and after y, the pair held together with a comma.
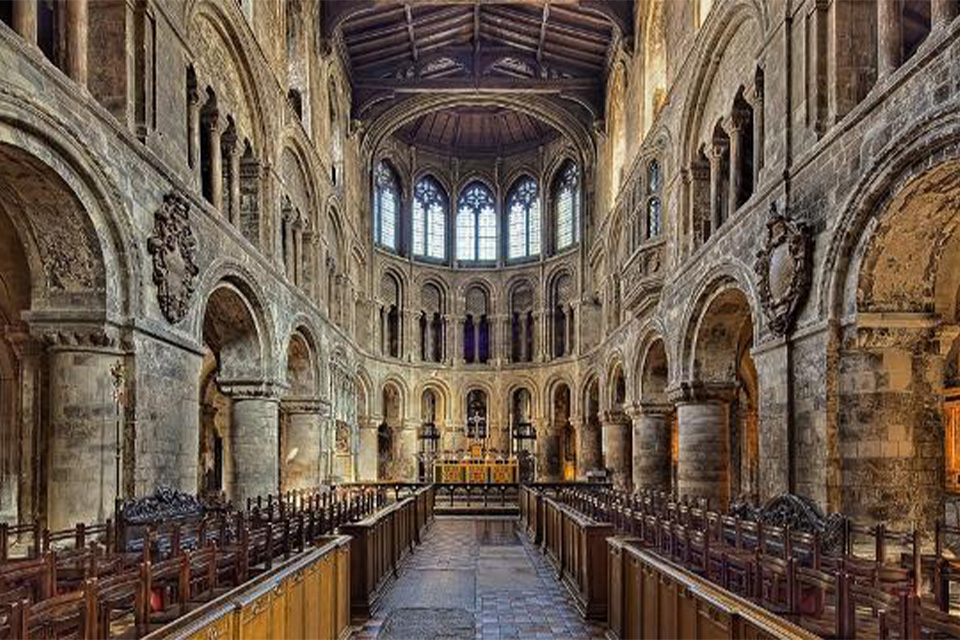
x: 475, y: 468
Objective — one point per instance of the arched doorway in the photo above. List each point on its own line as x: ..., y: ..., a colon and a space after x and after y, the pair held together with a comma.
x: 897, y: 381
x: 522, y: 434
x: 565, y: 467
x: 62, y: 434
x: 617, y: 434
x: 300, y: 429
x: 655, y: 424
x: 388, y: 435
x: 233, y: 411
x: 589, y: 457
x: 717, y: 443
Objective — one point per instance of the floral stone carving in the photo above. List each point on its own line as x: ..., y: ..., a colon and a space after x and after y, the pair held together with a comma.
x: 783, y: 267
x: 173, y: 247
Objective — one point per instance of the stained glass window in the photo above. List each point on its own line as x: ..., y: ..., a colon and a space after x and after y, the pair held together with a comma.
x: 387, y: 206
x: 523, y: 222
x: 476, y: 224
x: 429, y: 220
x: 567, y: 197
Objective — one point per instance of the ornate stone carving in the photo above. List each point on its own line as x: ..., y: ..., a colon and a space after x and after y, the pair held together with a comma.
x: 173, y: 247
x: 783, y: 270
x: 799, y: 514
x: 343, y: 437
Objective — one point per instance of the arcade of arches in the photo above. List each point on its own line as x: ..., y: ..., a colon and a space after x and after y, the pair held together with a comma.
x: 709, y: 247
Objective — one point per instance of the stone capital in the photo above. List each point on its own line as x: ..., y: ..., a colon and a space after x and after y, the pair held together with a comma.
x: 614, y: 418
x: 267, y: 390
x: 303, y: 406
x: 698, y: 392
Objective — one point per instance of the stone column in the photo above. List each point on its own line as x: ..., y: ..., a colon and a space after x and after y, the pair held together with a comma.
x: 942, y: 12
x: 216, y: 162
x: 301, y: 452
x: 889, y: 37
x: 288, y: 252
x: 703, y: 467
x: 548, y: 451
x: 193, y: 135
x: 616, y: 448
x: 30, y: 354
x: 254, y: 442
x: 81, y: 435
x: 588, y: 447
x: 540, y: 321
x: 77, y: 25
x: 651, y: 446
x: 369, y: 450
x: 754, y: 96
x: 406, y: 451
x: 25, y: 19
x: 232, y: 151
x: 717, y: 151
x: 733, y: 126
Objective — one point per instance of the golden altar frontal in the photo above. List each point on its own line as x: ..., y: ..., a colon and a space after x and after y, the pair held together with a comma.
x: 475, y: 471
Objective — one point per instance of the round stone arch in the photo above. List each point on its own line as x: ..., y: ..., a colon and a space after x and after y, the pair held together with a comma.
x: 215, y: 34
x: 63, y: 245
x: 301, y: 412
x: 890, y: 282
x: 930, y: 142
x: 556, y: 116
x: 723, y: 277
x: 441, y: 391
x: 75, y: 231
x: 718, y: 397
x: 721, y: 30
x: 654, y: 416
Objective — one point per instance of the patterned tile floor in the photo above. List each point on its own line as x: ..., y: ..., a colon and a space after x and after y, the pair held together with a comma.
x: 481, y: 566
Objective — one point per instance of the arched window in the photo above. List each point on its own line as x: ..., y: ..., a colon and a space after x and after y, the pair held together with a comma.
x: 654, y: 212
x: 567, y: 199
x: 429, y: 220
x: 523, y: 222
x: 476, y: 224
x: 386, y: 206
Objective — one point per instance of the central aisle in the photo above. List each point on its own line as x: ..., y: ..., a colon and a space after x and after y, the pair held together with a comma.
x: 474, y: 579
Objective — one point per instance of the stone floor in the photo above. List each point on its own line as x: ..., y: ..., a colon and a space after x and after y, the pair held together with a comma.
x: 474, y: 579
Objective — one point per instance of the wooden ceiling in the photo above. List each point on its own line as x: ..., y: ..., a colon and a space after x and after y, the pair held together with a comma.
x: 559, y: 47
x: 477, y: 131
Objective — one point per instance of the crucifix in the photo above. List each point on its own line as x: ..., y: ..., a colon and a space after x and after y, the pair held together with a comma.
x: 475, y: 423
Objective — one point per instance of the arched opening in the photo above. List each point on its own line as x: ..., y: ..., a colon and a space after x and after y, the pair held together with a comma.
x: 300, y: 427
x: 476, y: 415
x: 718, y: 441
x: 522, y: 443
x: 432, y: 323
x: 62, y: 453
x: 617, y: 130
x: 391, y: 300
x: 589, y: 438
x: 617, y: 434
x: 388, y: 436
x: 522, y: 323
x: 563, y: 426
x: 898, y: 394
x: 476, y: 327
x: 239, y: 444
x: 432, y: 423
x: 655, y: 425
x: 654, y: 63
x: 562, y: 294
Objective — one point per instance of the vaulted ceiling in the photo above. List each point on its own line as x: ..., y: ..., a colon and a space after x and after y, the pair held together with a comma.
x: 557, y: 48
x: 474, y: 131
